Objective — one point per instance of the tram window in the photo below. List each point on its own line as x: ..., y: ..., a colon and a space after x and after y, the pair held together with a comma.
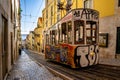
x: 59, y: 39
x: 91, y: 32
x: 57, y: 36
x: 79, y: 28
x: 64, y: 33
x: 53, y: 37
x: 70, y: 32
x: 64, y: 28
x: 88, y: 30
x: 47, y: 39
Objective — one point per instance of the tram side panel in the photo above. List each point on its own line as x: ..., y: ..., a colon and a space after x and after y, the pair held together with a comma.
x: 74, y: 56
x: 86, y: 55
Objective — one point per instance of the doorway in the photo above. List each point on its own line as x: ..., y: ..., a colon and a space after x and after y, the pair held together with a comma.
x: 118, y: 41
x: 11, y: 48
x: 4, y: 45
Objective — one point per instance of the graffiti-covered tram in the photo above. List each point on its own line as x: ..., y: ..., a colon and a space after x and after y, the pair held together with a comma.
x: 74, y: 39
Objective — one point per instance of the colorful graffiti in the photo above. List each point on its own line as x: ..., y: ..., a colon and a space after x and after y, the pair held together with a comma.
x: 75, y: 56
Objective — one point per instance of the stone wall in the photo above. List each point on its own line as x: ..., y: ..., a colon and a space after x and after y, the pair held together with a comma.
x: 107, y: 25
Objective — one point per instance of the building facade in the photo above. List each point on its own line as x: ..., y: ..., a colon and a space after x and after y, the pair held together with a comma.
x: 10, y: 38
x: 109, y: 26
x: 38, y: 35
x: 30, y: 43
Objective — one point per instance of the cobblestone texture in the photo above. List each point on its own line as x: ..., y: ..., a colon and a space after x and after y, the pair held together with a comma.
x: 27, y: 69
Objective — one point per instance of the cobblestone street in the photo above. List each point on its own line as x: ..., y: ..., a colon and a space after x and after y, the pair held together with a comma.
x: 27, y: 69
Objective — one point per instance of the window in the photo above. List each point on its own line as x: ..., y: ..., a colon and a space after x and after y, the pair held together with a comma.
x: 69, y: 32
x: 58, y: 17
x: 46, y: 2
x: 79, y: 30
x: 88, y: 4
x: 53, y: 37
x: 59, y: 34
x: 51, y: 10
x: 118, y: 3
x: 11, y: 12
x: 46, y: 14
x: 91, y: 32
x: 69, y: 1
x: 64, y: 33
x: 51, y: 20
x: 46, y: 23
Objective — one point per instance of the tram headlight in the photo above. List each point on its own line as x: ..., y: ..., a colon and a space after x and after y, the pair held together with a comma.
x: 92, y: 53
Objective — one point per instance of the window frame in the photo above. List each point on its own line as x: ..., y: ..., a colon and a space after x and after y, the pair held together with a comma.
x: 80, y: 40
x: 90, y: 39
x: 118, y: 3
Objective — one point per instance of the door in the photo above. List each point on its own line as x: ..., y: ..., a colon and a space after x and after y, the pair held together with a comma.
x: 118, y: 41
x: 4, y: 46
x: 11, y: 48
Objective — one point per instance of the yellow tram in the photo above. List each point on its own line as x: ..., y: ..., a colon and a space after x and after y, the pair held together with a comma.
x: 74, y: 39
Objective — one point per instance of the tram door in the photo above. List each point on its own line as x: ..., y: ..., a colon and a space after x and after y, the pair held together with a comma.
x: 118, y: 41
x: 4, y: 46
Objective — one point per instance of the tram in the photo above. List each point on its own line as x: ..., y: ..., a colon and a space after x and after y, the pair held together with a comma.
x: 73, y: 40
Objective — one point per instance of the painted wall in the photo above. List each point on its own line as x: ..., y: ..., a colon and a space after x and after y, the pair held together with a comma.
x: 105, y: 7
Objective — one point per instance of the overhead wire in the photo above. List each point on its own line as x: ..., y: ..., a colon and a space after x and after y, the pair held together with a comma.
x: 25, y: 13
x: 38, y: 11
x: 28, y: 15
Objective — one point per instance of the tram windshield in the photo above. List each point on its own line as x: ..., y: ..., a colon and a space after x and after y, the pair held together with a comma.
x: 91, y: 32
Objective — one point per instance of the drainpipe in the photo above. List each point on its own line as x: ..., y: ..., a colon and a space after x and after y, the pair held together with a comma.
x: 76, y: 4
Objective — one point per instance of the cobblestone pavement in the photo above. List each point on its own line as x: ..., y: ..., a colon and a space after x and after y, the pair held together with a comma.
x: 27, y: 69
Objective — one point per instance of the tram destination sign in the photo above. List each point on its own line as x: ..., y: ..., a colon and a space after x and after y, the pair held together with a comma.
x: 88, y: 14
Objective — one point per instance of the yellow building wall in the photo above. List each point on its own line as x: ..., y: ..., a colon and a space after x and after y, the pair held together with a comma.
x: 105, y: 7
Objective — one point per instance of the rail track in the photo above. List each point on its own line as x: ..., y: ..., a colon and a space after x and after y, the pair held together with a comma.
x: 97, y: 72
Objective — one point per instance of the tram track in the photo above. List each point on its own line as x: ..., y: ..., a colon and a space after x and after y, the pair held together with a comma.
x: 97, y: 72
x: 106, y: 71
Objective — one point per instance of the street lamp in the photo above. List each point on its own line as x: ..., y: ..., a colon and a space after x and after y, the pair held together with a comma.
x: 67, y: 7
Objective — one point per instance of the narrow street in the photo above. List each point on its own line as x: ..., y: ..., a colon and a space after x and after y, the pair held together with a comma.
x: 26, y: 69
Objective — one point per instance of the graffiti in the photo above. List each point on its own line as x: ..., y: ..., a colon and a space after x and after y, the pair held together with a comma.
x: 91, y: 55
x: 85, y: 56
x: 63, y: 54
x: 86, y: 13
x: 80, y: 56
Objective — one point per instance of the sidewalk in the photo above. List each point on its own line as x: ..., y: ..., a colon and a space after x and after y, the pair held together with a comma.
x: 112, y: 62
x: 27, y: 69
